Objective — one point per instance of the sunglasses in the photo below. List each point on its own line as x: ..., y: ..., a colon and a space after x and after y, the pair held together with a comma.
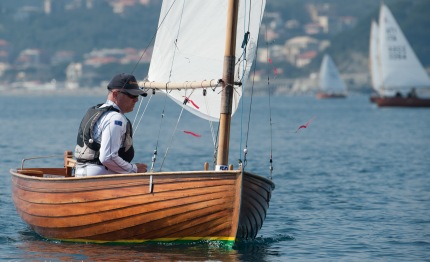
x: 129, y: 95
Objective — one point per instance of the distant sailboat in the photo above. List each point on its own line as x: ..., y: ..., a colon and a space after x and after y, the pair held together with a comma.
x: 330, y: 83
x: 403, y: 79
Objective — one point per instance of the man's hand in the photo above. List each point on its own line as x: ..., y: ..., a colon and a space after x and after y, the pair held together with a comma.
x: 141, y: 168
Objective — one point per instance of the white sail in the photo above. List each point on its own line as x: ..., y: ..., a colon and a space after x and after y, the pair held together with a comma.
x: 374, y: 57
x: 329, y: 78
x: 400, y: 68
x: 190, y: 47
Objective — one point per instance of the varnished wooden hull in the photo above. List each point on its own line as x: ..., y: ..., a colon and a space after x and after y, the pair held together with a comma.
x: 256, y: 194
x: 175, y: 206
x: 402, y: 102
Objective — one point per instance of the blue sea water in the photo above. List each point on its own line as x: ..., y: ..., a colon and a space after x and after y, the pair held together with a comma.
x: 352, y: 186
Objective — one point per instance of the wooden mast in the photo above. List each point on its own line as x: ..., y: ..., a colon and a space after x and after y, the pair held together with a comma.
x: 227, y: 84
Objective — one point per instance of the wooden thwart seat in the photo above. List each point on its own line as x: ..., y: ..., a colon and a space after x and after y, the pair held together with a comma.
x: 66, y: 171
x: 69, y: 163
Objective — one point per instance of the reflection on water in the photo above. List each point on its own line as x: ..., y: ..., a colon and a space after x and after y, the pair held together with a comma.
x: 261, y: 248
x: 34, y: 248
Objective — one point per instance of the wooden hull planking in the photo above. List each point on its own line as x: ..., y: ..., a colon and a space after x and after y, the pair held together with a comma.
x: 256, y: 194
x: 175, y: 207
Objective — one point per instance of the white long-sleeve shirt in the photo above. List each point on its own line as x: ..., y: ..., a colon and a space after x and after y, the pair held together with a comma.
x: 109, y: 131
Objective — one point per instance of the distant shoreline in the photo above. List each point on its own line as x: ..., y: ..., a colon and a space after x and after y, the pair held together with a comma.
x: 62, y: 91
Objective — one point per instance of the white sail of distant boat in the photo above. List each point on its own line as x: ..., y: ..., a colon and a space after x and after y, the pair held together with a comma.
x: 330, y: 82
x: 182, y: 52
x: 374, y: 57
x: 399, y: 66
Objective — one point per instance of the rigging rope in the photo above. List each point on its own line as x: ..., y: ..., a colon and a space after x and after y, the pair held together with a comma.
x: 244, y: 46
x: 171, y: 138
x: 143, y: 113
x: 270, y: 109
x: 154, y: 157
x: 137, y: 113
x: 214, y: 139
x: 170, y: 75
x: 242, y: 62
x: 155, y: 152
x: 245, y: 150
x: 152, y: 39
x: 132, y: 72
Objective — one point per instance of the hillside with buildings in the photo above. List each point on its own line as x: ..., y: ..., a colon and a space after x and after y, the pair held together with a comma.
x: 49, y: 44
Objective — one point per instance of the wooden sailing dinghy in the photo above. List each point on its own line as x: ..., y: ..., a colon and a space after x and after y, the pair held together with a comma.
x: 223, y: 204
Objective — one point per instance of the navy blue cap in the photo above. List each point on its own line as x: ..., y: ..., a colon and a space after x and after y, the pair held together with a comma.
x: 126, y: 82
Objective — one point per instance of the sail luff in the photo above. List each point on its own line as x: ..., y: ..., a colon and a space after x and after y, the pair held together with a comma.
x: 374, y: 64
x: 227, y: 83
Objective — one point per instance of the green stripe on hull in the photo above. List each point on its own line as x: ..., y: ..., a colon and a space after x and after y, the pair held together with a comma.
x: 227, y: 242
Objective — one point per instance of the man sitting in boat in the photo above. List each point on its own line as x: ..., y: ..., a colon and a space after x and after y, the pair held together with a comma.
x: 104, y: 142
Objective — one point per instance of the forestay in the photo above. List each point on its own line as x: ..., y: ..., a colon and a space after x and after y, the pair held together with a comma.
x: 190, y: 47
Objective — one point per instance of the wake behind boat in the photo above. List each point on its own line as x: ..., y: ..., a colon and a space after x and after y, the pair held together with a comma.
x: 224, y: 204
x: 398, y: 77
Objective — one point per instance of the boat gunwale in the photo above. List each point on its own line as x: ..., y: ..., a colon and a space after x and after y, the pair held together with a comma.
x: 15, y: 172
x: 266, y: 180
